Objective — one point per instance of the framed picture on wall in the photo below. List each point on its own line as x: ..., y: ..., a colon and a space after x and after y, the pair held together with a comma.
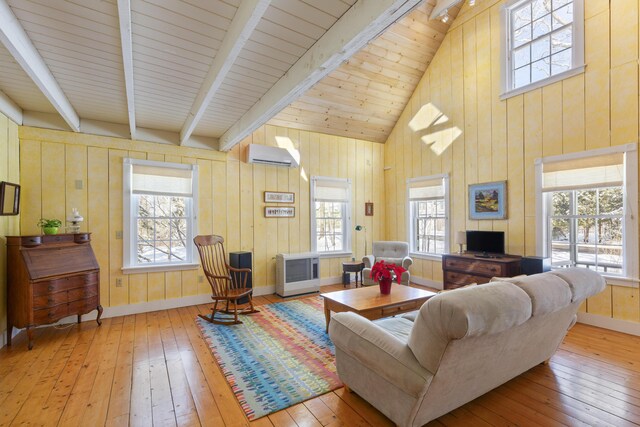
x: 279, y: 197
x: 368, y: 209
x: 488, y: 200
x: 9, y: 198
x: 279, y: 212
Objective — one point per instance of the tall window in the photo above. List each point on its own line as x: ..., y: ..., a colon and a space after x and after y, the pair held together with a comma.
x: 428, y: 207
x: 159, y: 214
x: 543, y: 39
x: 330, y: 215
x: 587, y: 201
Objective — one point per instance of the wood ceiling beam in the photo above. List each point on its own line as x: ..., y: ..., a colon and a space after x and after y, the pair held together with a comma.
x: 244, y: 22
x: 359, y: 25
x: 17, y: 42
x: 124, y: 15
x: 441, y: 6
x: 10, y: 108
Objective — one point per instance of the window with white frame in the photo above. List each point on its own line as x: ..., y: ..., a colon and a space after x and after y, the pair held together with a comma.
x: 160, y: 205
x: 428, y: 209
x: 586, y: 210
x: 330, y: 215
x: 542, y: 42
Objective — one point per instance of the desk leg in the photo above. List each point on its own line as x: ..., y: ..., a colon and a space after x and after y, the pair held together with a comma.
x: 327, y: 314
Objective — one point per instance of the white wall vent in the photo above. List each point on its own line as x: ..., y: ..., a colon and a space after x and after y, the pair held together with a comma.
x: 274, y: 156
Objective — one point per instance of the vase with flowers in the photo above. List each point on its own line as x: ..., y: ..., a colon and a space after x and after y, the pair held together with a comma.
x: 384, y: 273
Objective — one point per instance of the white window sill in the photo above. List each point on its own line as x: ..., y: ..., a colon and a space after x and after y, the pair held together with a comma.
x: 621, y: 281
x: 159, y: 268
x: 431, y: 257
x: 334, y: 254
x: 555, y: 78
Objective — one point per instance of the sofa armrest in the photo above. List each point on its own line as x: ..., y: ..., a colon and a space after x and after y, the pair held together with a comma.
x: 368, y: 260
x: 379, y: 351
x: 406, y: 262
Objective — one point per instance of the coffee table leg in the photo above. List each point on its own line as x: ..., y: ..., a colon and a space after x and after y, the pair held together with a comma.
x: 327, y: 314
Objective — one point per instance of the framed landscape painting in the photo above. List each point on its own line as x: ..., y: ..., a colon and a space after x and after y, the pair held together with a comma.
x: 488, y: 200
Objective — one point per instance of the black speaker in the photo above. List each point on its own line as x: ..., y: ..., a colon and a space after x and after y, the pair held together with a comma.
x: 241, y: 260
x: 534, y: 265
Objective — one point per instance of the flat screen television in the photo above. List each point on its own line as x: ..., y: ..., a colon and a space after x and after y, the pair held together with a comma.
x: 491, y: 242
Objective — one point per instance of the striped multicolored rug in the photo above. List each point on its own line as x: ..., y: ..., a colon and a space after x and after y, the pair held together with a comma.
x: 276, y: 358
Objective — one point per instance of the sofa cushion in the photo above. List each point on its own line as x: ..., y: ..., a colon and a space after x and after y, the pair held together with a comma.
x: 389, y: 249
x: 399, y: 327
x: 396, y: 261
x: 468, y: 312
x: 548, y: 292
x: 582, y: 282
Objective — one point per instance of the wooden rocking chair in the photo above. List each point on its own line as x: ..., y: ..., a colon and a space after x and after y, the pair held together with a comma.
x: 228, y: 284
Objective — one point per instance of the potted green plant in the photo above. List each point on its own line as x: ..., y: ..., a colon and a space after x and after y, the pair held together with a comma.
x: 49, y: 226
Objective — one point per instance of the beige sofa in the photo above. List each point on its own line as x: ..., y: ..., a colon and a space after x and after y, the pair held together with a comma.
x: 394, y: 252
x: 460, y: 344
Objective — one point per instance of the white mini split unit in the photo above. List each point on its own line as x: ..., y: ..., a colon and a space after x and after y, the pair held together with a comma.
x: 274, y: 156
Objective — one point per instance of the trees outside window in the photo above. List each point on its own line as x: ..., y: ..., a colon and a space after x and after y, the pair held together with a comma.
x: 428, y: 207
x: 330, y: 215
x: 586, y: 205
x: 160, y: 205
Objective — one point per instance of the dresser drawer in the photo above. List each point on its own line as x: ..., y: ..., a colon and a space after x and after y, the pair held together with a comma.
x: 83, y: 293
x: 50, y: 315
x: 45, y: 301
x: 460, y: 279
x: 472, y: 266
x: 400, y: 308
x: 30, y: 240
x: 65, y: 283
x: 83, y: 306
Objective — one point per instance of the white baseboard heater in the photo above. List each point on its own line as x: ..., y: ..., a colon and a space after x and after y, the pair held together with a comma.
x: 297, y: 274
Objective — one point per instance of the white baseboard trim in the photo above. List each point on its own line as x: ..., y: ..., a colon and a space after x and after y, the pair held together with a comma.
x: 427, y: 282
x: 624, y: 326
x: 330, y: 280
x: 264, y: 290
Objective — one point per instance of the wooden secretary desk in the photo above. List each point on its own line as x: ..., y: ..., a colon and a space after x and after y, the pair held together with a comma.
x: 50, y: 277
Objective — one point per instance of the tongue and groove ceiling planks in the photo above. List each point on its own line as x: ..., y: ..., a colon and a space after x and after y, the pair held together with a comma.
x: 208, y: 73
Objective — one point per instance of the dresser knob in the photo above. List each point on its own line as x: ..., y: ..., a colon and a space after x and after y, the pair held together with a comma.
x: 51, y: 288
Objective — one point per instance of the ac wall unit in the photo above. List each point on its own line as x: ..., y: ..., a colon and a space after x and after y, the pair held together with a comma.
x: 274, y: 156
x: 297, y: 274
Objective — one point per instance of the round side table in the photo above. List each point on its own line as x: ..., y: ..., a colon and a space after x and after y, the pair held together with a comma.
x: 354, y: 267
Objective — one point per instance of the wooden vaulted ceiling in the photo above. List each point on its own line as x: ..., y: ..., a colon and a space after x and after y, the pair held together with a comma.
x: 364, y: 97
x: 208, y: 72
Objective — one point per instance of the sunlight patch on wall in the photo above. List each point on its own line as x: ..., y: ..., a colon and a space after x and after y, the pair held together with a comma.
x: 286, y: 143
x: 432, y: 123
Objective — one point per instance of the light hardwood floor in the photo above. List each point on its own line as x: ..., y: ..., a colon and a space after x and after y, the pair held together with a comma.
x: 155, y: 369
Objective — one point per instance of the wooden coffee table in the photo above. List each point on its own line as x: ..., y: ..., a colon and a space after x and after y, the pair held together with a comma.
x: 370, y: 303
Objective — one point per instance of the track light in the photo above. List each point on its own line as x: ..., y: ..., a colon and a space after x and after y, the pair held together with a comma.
x: 445, y: 18
x: 472, y: 3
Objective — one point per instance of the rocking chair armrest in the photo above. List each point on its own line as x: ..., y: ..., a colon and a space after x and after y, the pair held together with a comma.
x: 239, y: 270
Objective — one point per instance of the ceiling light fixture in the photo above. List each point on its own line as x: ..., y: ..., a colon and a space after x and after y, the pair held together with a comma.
x: 445, y: 17
x: 472, y: 3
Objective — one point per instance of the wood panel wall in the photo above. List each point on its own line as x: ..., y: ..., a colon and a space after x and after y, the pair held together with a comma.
x: 501, y: 139
x: 9, y: 225
x: 230, y: 200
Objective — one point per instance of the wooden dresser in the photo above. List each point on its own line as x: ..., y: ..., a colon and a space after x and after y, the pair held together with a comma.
x: 461, y: 269
x: 50, y: 277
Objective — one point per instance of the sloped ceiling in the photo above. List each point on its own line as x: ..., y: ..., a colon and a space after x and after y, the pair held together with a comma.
x: 208, y: 72
x: 365, y: 96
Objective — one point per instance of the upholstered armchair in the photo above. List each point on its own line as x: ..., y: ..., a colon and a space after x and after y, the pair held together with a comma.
x: 395, y: 252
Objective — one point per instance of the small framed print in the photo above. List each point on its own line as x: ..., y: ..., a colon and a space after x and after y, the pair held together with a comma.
x: 279, y: 212
x: 488, y: 200
x: 368, y: 209
x: 279, y: 197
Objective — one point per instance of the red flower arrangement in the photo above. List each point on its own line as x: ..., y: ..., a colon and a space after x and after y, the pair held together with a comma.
x: 386, y: 271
